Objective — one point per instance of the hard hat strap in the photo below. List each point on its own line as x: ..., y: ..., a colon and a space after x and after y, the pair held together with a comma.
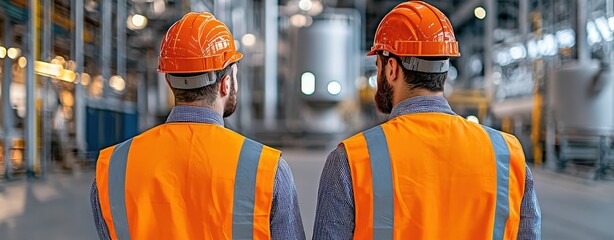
x: 191, y: 82
x: 426, y: 66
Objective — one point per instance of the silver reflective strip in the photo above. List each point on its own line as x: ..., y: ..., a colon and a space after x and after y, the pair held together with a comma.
x: 502, y: 155
x: 191, y: 82
x: 117, y: 189
x: 381, y: 175
x: 244, y: 190
x: 426, y: 66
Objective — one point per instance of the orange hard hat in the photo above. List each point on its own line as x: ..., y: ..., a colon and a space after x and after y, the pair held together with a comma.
x: 418, y: 29
x: 197, y: 43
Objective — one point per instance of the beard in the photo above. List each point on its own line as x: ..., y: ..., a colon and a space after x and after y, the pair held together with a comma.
x: 231, y: 104
x: 383, y: 96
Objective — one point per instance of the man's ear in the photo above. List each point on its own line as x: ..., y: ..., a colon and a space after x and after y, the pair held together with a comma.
x: 392, y: 69
x: 225, y: 85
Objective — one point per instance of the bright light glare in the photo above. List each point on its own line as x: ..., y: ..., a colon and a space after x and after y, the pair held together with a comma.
x: 136, y: 22
x: 2, y: 52
x: 85, y: 79
x: 13, y: 53
x: 547, y: 45
x: 305, y: 5
x: 611, y: 23
x: 566, y: 38
x: 22, y: 62
x: 593, y: 34
x: 316, y: 8
x: 139, y: 20
x: 479, y: 12
x: 518, y: 52
x: 299, y: 20
x: 308, y: 83
x: 604, y: 29
x: 248, y: 40
x: 373, y: 81
x: 334, y: 88
x: 474, y: 119
x: 117, y: 83
x: 533, y: 51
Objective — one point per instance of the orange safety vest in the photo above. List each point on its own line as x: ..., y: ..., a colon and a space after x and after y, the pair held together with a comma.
x: 187, y: 181
x: 435, y: 176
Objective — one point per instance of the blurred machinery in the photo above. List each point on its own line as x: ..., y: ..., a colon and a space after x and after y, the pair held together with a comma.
x: 582, y: 97
x: 325, y: 64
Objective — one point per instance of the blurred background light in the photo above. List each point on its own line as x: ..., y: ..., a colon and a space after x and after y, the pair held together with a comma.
x: 334, y: 87
x: 248, y: 40
x: 479, y: 12
x: 566, y: 38
x: 13, y: 53
x: 300, y: 20
x: 136, y: 22
x: 308, y: 83
x: 474, y: 119
x: 2, y: 52
x: 305, y: 5
x: 373, y: 81
x: 22, y: 62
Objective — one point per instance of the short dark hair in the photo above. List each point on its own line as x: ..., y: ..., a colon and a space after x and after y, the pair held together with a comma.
x: 207, y: 93
x: 430, y: 81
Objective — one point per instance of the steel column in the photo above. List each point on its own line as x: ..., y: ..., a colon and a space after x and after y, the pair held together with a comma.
x: 8, y: 112
x: 271, y: 31
x: 45, y: 111
x: 81, y: 99
x: 30, y: 126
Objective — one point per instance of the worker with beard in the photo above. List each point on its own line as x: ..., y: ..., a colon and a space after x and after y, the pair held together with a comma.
x: 191, y: 178
x: 426, y: 173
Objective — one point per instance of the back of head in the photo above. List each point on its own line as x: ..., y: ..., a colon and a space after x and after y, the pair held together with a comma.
x: 196, y: 53
x: 420, y: 37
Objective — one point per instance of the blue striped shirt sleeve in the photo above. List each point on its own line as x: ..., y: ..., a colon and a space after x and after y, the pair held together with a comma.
x: 101, y: 225
x: 335, y: 208
x: 286, y: 220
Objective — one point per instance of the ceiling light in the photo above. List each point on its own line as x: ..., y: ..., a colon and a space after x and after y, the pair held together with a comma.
x: 479, y: 12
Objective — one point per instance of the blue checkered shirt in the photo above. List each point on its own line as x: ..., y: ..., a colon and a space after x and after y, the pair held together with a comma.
x: 286, y: 220
x: 335, y: 209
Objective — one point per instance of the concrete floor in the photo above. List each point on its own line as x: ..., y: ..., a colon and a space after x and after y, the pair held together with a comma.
x: 58, y: 208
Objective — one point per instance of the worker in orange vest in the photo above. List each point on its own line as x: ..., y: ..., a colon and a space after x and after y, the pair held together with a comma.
x: 426, y: 173
x: 191, y: 178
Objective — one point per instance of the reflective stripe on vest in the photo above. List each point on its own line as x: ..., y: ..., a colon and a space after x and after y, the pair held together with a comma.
x: 244, y: 189
x: 117, y: 189
x: 502, y: 155
x: 381, y: 175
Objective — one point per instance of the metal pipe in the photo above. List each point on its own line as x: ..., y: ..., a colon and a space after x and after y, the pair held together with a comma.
x: 7, y: 110
x: 121, y: 38
x: 45, y: 56
x: 582, y: 42
x: 271, y: 12
x: 523, y: 19
x: 79, y: 91
x: 30, y: 125
x: 107, y: 11
x: 491, y: 23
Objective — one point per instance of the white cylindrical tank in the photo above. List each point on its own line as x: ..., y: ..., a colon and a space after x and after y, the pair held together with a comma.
x: 583, y: 98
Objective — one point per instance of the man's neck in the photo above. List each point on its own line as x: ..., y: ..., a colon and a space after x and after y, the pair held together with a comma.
x: 403, y: 95
x: 214, y: 106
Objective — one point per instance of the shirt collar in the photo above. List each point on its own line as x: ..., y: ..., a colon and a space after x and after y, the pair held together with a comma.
x: 195, y: 115
x: 421, y: 104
